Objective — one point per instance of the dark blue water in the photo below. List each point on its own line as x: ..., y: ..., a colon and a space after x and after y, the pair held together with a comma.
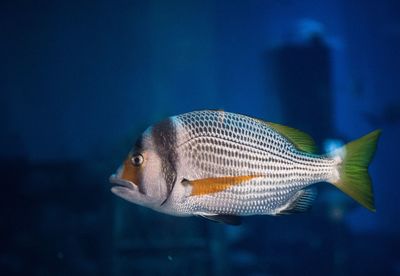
x: 81, y: 80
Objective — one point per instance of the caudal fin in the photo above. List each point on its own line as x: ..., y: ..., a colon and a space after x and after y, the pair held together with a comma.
x: 354, y: 179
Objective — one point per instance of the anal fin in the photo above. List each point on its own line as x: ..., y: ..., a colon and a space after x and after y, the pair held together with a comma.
x: 300, y: 202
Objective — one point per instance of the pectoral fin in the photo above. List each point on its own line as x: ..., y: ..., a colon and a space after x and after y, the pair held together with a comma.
x: 227, y: 219
x: 216, y: 184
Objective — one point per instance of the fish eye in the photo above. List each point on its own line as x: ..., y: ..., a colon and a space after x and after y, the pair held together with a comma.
x: 137, y: 159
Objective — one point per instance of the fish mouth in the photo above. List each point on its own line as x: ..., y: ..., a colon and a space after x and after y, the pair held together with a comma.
x: 119, y: 182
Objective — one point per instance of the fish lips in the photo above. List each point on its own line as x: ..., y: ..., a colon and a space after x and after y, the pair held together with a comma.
x: 129, y: 191
x: 122, y: 183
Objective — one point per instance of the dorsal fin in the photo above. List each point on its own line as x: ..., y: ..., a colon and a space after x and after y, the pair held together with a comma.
x: 300, y: 139
x: 300, y: 202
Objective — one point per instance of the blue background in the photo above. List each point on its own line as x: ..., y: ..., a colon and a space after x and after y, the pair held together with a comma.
x: 81, y: 79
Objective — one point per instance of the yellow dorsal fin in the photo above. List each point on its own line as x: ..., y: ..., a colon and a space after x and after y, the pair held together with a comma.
x: 217, y: 184
x: 301, y: 140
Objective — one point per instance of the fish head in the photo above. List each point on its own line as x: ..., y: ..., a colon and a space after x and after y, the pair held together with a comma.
x: 139, y: 178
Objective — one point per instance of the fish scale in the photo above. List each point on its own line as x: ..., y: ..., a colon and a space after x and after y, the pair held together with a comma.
x: 217, y: 164
x: 216, y: 143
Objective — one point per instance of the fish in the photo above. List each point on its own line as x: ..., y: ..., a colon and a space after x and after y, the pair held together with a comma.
x: 223, y: 166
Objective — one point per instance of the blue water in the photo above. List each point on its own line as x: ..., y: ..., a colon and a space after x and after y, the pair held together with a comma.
x: 81, y: 80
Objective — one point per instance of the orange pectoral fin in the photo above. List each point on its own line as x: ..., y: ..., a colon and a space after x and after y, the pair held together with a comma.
x: 217, y: 184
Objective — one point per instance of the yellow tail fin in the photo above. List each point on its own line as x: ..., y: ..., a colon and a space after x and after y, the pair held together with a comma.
x: 354, y: 179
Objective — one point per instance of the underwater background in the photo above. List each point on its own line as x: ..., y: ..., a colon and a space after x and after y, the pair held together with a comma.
x: 80, y: 80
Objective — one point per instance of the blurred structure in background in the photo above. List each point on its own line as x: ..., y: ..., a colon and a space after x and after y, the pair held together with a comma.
x: 301, y: 73
x: 302, y: 76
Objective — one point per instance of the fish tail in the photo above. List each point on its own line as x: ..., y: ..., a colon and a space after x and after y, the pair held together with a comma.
x: 353, y: 178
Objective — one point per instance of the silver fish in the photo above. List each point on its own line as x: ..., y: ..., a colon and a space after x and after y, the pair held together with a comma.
x: 222, y: 165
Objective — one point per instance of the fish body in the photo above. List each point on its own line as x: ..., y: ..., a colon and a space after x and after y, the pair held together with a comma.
x: 223, y: 165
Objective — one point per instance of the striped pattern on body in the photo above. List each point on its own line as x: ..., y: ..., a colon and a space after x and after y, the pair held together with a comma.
x: 220, y: 144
